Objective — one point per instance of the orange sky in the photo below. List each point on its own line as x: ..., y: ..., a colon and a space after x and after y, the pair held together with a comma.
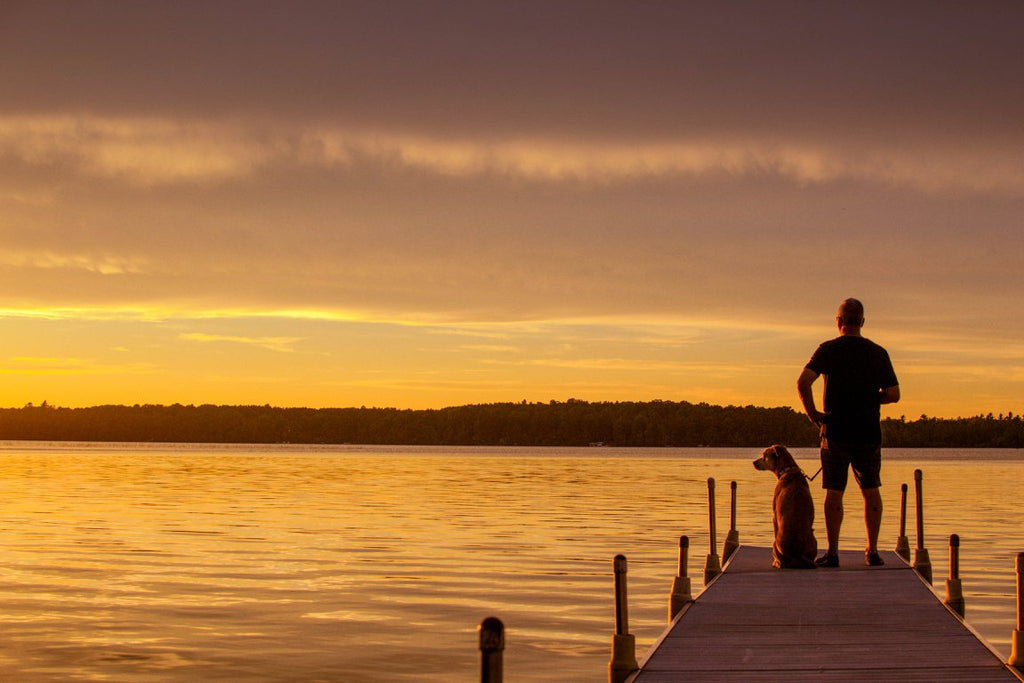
x: 419, y: 205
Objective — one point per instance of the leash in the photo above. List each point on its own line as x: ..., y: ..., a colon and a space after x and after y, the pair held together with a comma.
x: 821, y: 431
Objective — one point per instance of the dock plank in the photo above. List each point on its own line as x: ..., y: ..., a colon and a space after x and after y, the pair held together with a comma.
x: 757, y: 623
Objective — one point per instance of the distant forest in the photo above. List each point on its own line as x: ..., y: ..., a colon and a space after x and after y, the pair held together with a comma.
x: 557, y: 423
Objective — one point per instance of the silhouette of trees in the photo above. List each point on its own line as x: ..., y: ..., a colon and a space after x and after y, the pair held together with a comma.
x: 556, y: 423
x: 988, y: 431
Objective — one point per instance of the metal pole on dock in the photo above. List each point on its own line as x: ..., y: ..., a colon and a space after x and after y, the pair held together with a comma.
x: 712, y: 566
x: 623, y: 661
x: 732, y: 540
x: 903, y: 543
x: 681, y: 595
x: 922, y: 563
x: 954, y: 591
x: 492, y: 645
x: 1017, y: 644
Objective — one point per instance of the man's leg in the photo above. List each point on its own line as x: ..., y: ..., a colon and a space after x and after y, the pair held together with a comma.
x: 833, y: 518
x: 835, y: 469
x: 872, y: 516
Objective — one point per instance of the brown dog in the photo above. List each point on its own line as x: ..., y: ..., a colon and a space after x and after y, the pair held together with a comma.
x: 793, y: 511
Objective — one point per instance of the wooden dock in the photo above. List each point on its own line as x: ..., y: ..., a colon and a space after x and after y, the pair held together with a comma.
x: 854, y: 623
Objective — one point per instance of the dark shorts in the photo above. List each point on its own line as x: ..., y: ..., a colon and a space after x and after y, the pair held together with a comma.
x: 837, y: 460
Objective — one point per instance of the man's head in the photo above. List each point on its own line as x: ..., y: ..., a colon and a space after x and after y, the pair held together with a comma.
x: 850, y: 315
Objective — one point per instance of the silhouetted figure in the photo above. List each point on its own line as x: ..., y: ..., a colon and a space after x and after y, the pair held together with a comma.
x: 859, y: 378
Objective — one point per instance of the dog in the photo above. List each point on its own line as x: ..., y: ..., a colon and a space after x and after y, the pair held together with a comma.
x: 793, y: 511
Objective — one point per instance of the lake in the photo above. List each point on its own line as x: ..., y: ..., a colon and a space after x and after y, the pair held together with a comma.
x: 164, y: 562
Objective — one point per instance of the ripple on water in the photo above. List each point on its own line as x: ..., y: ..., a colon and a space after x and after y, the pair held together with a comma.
x: 378, y: 565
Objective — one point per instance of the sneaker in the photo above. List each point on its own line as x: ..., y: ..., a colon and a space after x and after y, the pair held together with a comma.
x: 828, y: 560
x: 873, y: 559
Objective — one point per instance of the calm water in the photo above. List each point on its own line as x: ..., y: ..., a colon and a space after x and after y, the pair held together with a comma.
x: 164, y: 563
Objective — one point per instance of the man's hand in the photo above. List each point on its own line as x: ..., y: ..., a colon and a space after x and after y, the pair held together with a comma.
x: 817, y: 417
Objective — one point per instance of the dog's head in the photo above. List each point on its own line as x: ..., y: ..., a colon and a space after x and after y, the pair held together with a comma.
x: 773, y: 459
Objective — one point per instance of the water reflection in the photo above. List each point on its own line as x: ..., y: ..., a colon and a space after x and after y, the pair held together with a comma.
x: 310, y: 564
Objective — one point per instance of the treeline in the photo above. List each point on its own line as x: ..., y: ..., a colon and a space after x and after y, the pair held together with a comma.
x: 982, y: 431
x: 570, y: 423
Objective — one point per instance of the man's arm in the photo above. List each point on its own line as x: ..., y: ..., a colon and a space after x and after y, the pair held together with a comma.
x: 803, y: 386
x: 889, y: 395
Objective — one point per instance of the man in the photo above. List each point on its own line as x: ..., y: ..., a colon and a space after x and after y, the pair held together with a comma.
x: 858, y: 379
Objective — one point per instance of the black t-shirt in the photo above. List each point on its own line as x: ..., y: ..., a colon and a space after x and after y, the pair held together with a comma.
x: 855, y: 370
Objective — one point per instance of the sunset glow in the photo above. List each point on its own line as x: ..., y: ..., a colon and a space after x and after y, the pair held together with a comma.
x: 389, y: 204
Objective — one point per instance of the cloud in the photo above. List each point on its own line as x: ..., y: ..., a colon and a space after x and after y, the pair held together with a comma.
x: 47, y: 259
x: 930, y: 170
x: 140, y: 151
x: 279, y: 344
x: 491, y: 348
x: 159, y: 151
x: 112, y: 311
x: 30, y: 365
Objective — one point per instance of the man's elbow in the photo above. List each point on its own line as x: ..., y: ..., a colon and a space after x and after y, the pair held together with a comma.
x: 805, y: 380
x: 891, y: 394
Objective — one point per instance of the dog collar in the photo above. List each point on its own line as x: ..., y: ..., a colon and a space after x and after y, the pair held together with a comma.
x: 788, y: 470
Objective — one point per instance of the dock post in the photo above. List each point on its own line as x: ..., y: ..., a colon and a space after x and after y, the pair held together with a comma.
x: 623, y: 661
x: 1017, y: 644
x: 712, y: 566
x: 732, y: 540
x: 492, y: 645
x: 903, y: 543
x: 681, y: 595
x: 954, y: 590
x: 922, y: 563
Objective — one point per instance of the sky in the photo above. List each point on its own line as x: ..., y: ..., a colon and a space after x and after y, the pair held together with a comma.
x: 425, y: 204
